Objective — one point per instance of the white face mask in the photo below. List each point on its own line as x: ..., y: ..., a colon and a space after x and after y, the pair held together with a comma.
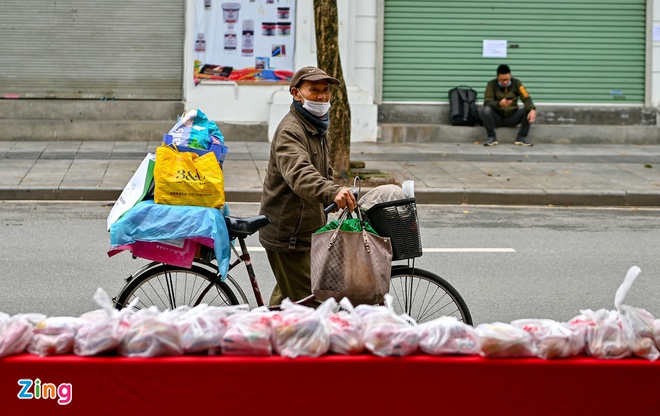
x: 318, y: 108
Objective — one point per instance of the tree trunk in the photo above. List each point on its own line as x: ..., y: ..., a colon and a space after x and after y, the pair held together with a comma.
x: 327, y: 56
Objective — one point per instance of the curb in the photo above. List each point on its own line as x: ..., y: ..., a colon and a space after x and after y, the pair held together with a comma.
x: 26, y: 193
x: 441, y: 196
x: 564, y: 197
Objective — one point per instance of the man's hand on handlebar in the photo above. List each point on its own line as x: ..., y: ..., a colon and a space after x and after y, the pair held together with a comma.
x: 345, y: 198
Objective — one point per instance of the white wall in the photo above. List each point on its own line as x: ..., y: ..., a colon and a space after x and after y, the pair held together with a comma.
x: 258, y: 104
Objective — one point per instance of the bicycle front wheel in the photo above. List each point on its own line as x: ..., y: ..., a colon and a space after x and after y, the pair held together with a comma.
x: 167, y: 287
x: 425, y: 296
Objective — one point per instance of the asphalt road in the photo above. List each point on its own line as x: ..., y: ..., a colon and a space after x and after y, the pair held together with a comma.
x: 507, y: 262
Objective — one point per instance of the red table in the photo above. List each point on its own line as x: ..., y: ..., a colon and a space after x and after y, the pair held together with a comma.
x: 334, y: 385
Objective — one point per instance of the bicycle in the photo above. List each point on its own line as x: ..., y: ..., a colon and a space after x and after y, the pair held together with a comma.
x: 421, y: 294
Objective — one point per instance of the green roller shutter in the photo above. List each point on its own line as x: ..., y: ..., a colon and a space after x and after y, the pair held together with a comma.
x: 565, y: 51
x: 124, y: 49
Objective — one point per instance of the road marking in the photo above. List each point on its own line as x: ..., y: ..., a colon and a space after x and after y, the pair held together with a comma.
x: 469, y: 250
x: 444, y: 250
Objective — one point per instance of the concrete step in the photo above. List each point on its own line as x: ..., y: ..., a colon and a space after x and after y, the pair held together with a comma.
x: 539, y: 133
x: 546, y: 114
x: 73, y: 110
x: 424, y: 123
x: 122, y: 120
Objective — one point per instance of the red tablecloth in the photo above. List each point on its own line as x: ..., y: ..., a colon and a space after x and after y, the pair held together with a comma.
x: 332, y: 385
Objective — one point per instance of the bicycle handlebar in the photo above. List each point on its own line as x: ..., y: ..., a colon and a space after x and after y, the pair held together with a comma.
x: 330, y: 208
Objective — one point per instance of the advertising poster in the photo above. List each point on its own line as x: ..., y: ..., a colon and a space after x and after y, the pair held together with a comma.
x: 247, y: 40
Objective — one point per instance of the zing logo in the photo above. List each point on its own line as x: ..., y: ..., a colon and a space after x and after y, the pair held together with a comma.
x: 36, y: 390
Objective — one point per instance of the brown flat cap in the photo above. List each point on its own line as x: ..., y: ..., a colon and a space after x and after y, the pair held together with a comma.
x: 311, y: 73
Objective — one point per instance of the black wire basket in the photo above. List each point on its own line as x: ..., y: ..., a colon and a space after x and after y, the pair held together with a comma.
x: 398, y: 220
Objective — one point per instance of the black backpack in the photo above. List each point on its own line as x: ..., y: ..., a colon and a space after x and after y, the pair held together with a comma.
x: 463, y: 106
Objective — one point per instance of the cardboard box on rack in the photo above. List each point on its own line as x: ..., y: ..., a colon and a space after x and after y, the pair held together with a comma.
x: 220, y: 150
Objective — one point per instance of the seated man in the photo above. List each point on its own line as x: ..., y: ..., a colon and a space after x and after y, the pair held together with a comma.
x: 501, y: 107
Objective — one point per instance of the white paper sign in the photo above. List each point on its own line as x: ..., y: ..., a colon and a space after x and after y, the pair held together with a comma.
x: 494, y: 48
x: 656, y: 33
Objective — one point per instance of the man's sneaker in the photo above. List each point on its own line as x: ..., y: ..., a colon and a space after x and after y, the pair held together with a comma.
x: 523, y: 141
x: 491, y: 141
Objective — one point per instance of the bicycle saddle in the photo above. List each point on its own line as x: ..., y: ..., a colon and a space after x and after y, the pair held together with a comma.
x: 243, y: 227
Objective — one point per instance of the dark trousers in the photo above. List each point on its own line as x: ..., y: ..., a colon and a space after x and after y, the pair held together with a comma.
x: 292, y: 270
x: 491, y: 120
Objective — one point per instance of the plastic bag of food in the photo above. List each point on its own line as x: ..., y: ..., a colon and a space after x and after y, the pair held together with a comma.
x: 102, y: 330
x: 552, y: 339
x: 656, y: 332
x: 346, y: 330
x: 151, y: 334
x: 636, y: 321
x: 620, y: 333
x: 447, y: 335
x: 16, y: 332
x: 499, y: 339
x: 202, y: 327
x: 385, y: 332
x: 605, y: 336
x: 298, y: 330
x: 54, y: 335
x: 641, y: 323
x: 248, y: 333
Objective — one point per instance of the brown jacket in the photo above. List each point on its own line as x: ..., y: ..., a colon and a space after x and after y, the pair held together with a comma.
x: 297, y: 184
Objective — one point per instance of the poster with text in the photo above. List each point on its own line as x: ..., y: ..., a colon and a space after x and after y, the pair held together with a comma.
x: 247, y: 40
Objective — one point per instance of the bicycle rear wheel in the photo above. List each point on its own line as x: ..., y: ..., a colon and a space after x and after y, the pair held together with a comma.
x: 166, y: 287
x: 425, y: 296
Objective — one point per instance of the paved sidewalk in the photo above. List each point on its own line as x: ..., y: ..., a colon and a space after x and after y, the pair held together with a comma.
x: 444, y: 173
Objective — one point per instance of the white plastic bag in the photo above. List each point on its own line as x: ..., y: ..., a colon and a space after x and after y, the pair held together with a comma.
x: 499, y: 339
x: 248, y: 333
x: 447, y: 335
x: 151, y: 334
x: 54, y: 335
x: 552, y: 339
x: 15, y: 333
x: 346, y: 330
x: 385, y: 332
x: 102, y: 330
x: 299, y: 330
x: 605, y: 336
x: 202, y: 327
x: 636, y: 321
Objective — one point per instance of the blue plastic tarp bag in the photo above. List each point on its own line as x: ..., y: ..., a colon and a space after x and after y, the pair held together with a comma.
x: 148, y: 221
